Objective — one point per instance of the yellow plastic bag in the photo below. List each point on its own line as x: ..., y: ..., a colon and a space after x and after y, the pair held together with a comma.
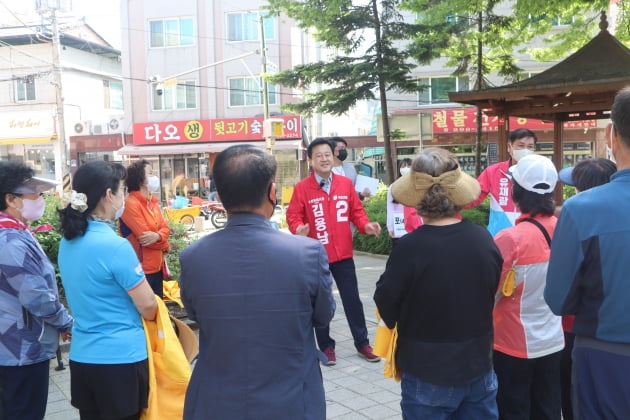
x: 169, y: 369
x: 385, y: 342
x: 509, y: 284
x: 171, y: 291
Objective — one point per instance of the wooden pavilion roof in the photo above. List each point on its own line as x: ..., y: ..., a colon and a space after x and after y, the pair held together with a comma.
x: 580, y: 87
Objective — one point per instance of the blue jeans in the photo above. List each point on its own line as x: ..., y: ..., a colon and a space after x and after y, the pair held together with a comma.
x: 345, y: 277
x: 473, y: 401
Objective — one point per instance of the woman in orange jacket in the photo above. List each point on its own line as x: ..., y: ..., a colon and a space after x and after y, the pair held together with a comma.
x: 142, y: 222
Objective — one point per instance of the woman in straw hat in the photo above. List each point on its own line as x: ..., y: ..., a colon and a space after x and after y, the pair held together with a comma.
x: 438, y: 288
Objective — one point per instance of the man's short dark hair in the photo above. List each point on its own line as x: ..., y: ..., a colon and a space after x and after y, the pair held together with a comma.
x: 317, y: 142
x: 620, y: 115
x: 337, y: 139
x: 243, y: 175
x: 520, y: 133
x: 531, y: 202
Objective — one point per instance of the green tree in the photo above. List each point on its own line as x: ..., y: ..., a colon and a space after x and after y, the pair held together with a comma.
x: 366, y: 64
x: 483, y: 37
x: 578, y: 19
x: 472, y: 36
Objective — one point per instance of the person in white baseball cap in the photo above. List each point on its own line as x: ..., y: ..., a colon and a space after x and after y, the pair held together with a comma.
x: 535, y: 173
x: 528, y: 337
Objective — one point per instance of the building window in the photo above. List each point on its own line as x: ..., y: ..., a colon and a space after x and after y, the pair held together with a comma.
x: 25, y: 89
x: 244, y: 26
x: 181, y: 96
x: 561, y: 20
x: 171, y: 32
x: 556, y: 21
x: 112, y: 94
x: 437, y: 88
x: 245, y: 91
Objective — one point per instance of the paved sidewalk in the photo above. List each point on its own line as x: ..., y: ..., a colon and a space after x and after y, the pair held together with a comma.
x: 355, y: 388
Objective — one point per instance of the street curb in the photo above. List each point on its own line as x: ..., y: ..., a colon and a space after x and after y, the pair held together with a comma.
x: 369, y: 254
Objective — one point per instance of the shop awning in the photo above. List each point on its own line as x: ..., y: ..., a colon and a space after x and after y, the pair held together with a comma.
x: 179, y: 149
x: 29, y: 140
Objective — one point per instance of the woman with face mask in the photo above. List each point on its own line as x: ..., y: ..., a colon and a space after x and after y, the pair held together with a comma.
x: 108, y: 296
x: 30, y: 312
x: 142, y: 222
x: 400, y: 219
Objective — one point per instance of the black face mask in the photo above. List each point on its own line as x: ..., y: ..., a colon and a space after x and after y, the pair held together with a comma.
x: 273, y: 203
x: 343, y: 154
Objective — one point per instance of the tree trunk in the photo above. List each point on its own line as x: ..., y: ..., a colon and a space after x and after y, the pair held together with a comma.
x: 479, y: 86
x: 390, y: 162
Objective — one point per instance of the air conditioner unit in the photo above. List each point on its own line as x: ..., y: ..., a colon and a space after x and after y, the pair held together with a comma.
x: 99, y: 129
x: 82, y: 128
x: 115, y: 125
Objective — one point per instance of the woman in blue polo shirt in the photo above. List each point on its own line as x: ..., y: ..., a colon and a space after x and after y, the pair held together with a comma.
x: 107, y: 293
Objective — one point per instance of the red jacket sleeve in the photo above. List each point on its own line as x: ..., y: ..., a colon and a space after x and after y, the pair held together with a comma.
x: 412, y: 220
x: 484, y: 183
x: 358, y: 216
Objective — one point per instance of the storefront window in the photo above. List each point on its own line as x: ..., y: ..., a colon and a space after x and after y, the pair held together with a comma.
x: 179, y: 175
x: 85, y: 157
x: 42, y: 160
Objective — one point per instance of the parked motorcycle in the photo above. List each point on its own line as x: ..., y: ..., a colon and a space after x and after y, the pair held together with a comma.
x: 215, y: 212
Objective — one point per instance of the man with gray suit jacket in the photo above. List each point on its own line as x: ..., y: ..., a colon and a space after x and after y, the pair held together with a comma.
x: 256, y: 294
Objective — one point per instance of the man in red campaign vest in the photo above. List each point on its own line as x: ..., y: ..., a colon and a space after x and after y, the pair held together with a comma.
x: 322, y: 207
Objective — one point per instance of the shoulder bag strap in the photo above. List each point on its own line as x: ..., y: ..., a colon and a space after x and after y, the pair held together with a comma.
x: 541, y: 227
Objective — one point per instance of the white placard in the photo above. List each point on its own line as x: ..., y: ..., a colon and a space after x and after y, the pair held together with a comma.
x: 399, y: 225
x: 364, y: 182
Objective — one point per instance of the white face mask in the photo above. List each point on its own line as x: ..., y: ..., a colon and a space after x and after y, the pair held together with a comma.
x: 609, y: 151
x: 404, y: 171
x: 519, y: 154
x: 120, y: 210
x: 33, y: 209
x: 153, y: 183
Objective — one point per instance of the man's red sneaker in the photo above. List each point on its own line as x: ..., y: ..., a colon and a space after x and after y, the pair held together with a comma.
x: 330, y: 355
x: 366, y: 353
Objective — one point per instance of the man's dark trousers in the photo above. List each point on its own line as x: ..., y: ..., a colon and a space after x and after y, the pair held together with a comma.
x: 345, y: 277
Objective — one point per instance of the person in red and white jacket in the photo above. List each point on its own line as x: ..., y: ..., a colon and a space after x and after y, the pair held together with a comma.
x: 322, y: 207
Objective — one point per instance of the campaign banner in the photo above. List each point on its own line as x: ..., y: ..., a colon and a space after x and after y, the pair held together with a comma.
x: 219, y: 129
x: 464, y: 120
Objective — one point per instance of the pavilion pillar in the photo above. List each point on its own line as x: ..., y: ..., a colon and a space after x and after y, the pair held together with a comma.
x: 558, y: 154
x: 502, y: 139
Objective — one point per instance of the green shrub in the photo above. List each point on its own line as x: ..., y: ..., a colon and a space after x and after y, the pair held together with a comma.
x: 376, y: 209
x: 50, y: 240
x: 179, y: 239
x: 478, y: 214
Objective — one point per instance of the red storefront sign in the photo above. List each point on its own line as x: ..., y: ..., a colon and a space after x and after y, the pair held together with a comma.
x: 221, y: 129
x: 464, y: 120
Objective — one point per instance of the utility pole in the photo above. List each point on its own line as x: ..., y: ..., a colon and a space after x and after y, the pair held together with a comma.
x: 269, y: 140
x: 61, y: 126
x: 45, y: 7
